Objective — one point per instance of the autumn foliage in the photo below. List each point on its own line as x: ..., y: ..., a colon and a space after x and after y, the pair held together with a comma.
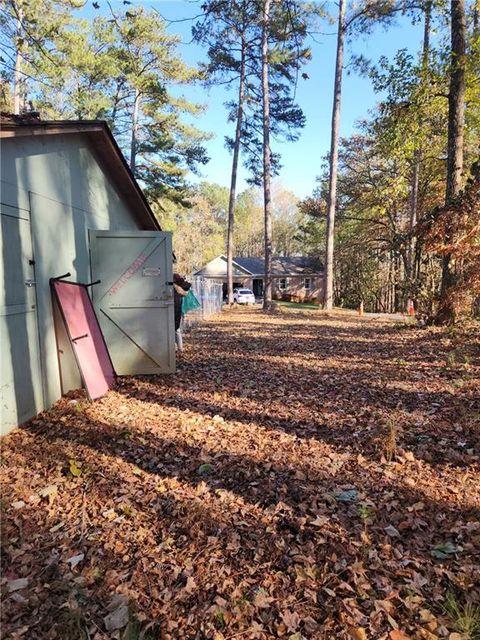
x: 454, y: 230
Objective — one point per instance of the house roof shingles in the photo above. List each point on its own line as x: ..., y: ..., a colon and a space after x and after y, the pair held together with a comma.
x: 283, y: 265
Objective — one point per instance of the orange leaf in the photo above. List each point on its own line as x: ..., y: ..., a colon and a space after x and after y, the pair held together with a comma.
x: 398, y: 635
x: 358, y: 633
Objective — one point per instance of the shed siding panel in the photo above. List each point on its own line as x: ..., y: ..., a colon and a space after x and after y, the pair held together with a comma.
x: 20, y: 376
x: 12, y: 195
x: 63, y: 168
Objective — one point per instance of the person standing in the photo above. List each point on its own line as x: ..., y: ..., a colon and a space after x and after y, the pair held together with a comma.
x: 180, y: 290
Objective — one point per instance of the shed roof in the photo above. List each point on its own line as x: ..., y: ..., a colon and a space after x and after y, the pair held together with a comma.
x: 101, y: 139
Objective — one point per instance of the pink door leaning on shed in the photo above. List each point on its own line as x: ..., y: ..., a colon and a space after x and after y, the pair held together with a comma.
x: 86, y: 337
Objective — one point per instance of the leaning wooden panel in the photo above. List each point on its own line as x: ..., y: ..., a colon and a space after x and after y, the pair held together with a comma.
x: 86, y: 337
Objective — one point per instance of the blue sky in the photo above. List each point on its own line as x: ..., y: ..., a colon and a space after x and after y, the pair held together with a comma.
x: 301, y: 160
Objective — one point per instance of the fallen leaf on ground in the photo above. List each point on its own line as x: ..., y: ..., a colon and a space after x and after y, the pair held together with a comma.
x: 74, y: 560
x: 443, y: 550
x: 291, y: 619
x: 16, y: 585
x: 392, y: 532
x: 49, y: 492
x: 350, y: 495
x: 117, y: 619
x: 396, y: 634
x: 358, y: 634
x: 75, y: 470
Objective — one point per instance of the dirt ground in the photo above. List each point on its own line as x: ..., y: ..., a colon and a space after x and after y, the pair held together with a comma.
x: 302, y: 476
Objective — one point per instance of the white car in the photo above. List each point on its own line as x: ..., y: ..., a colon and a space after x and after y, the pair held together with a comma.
x: 243, y: 296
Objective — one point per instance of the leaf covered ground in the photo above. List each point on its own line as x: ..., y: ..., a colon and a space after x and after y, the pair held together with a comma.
x: 301, y: 476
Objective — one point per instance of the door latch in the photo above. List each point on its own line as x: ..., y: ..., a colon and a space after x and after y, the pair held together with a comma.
x: 30, y: 283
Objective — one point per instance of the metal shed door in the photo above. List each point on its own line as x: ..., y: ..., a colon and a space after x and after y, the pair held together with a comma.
x: 134, y: 301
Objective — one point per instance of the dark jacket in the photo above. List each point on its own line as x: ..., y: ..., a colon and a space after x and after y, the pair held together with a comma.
x: 177, y: 297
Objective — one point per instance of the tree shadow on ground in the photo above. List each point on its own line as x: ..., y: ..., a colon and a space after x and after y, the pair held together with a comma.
x: 290, y: 494
x: 360, y: 429
x: 215, y: 505
x: 262, y: 515
x: 355, y: 396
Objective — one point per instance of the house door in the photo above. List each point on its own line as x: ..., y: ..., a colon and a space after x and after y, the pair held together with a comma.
x: 134, y: 300
x: 257, y: 287
x: 21, y: 376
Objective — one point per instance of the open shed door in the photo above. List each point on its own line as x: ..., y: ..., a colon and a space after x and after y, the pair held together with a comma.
x: 134, y: 300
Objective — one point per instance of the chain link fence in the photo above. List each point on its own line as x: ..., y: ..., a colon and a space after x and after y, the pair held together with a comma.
x: 210, y: 296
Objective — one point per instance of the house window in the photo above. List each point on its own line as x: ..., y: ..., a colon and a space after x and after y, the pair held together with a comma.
x: 307, y: 284
x: 282, y: 284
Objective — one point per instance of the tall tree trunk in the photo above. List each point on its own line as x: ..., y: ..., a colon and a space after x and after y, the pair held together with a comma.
x: 17, y: 76
x: 267, y: 199
x: 413, y: 220
x: 456, y: 121
x: 134, y: 141
x: 332, y: 184
x: 399, y: 301
x: 417, y: 160
x: 233, y: 181
x: 426, y: 36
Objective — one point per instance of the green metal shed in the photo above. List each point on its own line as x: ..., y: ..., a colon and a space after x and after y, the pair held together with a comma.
x: 61, y: 184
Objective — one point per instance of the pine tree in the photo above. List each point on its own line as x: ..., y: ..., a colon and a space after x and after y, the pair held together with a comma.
x: 228, y: 29
x: 146, y: 116
x: 283, y: 52
x: 362, y: 18
x: 31, y: 31
x: 333, y: 160
x: 233, y: 33
x: 121, y: 69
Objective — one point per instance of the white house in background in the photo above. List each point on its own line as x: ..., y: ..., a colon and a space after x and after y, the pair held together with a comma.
x: 294, y: 278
